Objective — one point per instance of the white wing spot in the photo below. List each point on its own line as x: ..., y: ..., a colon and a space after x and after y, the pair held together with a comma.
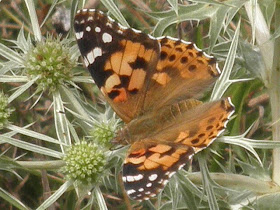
x: 90, y: 18
x: 185, y: 42
x: 136, y: 31
x: 106, y: 37
x: 109, y: 24
x: 94, y: 54
x: 141, y: 190
x: 124, y: 179
x: 149, y: 185
x: 111, y: 19
x: 153, y: 177
x: 79, y: 35
x: 86, y: 62
x: 172, y: 38
x: 97, y: 52
x: 165, y: 182
x: 122, y: 27
x: 181, y: 166
x: 82, y: 21
x: 161, y: 37
x: 97, y: 29
x: 130, y: 191
x: 198, y: 49
x: 151, y: 37
x: 148, y: 192
x: 138, y: 177
x: 207, y: 56
x: 171, y: 174
x: 130, y: 178
x: 90, y: 57
x: 88, y: 28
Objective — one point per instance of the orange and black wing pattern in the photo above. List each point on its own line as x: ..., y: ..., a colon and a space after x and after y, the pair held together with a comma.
x: 149, y: 165
x: 151, y: 162
x: 153, y: 85
x: 183, y: 71
x: 119, y: 59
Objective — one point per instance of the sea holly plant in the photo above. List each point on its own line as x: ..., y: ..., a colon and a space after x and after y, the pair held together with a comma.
x: 56, y: 129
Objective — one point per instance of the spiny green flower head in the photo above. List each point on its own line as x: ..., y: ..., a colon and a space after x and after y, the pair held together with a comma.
x: 84, y: 162
x: 51, y: 61
x: 103, y: 134
x: 5, y: 112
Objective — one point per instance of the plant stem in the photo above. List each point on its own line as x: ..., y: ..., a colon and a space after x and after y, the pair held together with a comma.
x: 274, y: 92
x: 262, y: 34
x: 238, y: 182
x: 52, y: 164
x: 270, y: 50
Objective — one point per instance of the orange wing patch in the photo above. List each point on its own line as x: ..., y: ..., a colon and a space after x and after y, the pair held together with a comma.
x: 161, y: 78
x: 182, y: 72
x: 186, y: 58
x: 211, y: 126
x: 137, y: 79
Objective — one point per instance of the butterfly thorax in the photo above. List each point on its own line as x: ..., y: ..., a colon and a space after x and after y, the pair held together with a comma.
x: 137, y: 129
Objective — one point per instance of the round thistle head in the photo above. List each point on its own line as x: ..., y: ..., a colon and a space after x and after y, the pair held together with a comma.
x: 5, y: 112
x: 103, y: 134
x: 51, y: 61
x: 84, y: 162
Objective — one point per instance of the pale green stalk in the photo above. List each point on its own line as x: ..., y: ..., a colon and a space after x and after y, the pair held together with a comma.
x: 274, y: 93
x: 34, y: 20
x: 270, y: 75
x: 50, y: 164
x: 238, y: 182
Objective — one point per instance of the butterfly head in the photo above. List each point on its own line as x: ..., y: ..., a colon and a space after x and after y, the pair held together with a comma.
x: 122, y: 137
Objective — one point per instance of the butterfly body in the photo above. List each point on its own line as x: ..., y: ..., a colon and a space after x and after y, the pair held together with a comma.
x: 153, y: 84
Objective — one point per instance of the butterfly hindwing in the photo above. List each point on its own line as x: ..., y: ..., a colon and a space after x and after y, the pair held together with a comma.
x: 199, y: 126
x: 149, y: 165
x: 151, y: 162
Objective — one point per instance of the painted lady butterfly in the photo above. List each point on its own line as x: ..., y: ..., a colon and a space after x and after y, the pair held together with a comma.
x: 153, y: 85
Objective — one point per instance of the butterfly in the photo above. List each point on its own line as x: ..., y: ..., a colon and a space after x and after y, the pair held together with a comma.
x: 153, y: 84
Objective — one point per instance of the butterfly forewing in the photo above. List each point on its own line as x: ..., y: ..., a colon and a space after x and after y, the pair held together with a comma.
x: 119, y: 59
x: 182, y: 69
